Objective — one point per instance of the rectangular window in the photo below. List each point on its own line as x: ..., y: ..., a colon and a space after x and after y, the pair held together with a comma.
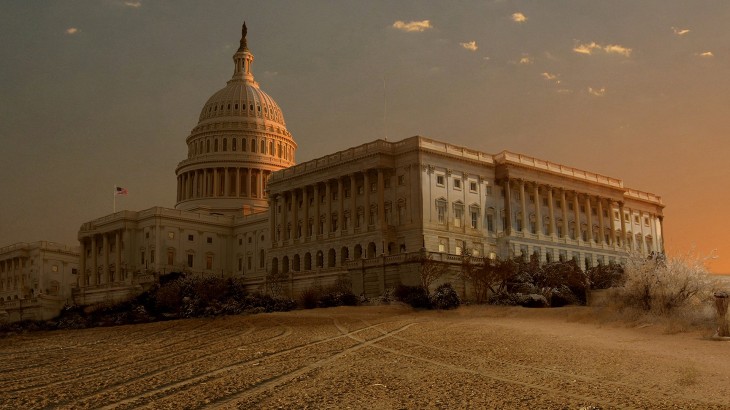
x: 490, y: 223
x: 240, y: 262
x: 171, y: 235
x: 489, y: 190
x: 190, y: 261
x: 401, y: 179
x: 440, y: 180
x: 209, y: 239
x: 474, y: 218
x: 636, y: 219
x: 141, y: 259
x: 457, y: 183
x: 459, y: 247
x: 458, y: 216
x: 209, y: 262
x: 152, y: 256
x: 191, y: 238
x: 473, y: 186
x: 441, y: 210
x: 170, y: 257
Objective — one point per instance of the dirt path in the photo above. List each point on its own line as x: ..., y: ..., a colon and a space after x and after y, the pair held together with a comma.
x: 368, y: 357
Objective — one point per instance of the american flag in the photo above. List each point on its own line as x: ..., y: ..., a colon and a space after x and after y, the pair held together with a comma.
x: 120, y: 191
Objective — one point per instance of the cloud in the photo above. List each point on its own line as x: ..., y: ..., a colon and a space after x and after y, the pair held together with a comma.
x: 586, y: 48
x: 617, y: 49
x: 471, y: 45
x: 680, y: 31
x: 551, y: 77
x: 525, y: 60
x: 519, y: 17
x: 413, y: 26
x: 72, y: 30
x: 134, y: 4
x: 706, y: 54
x: 598, y: 92
x: 592, y: 47
x: 564, y: 91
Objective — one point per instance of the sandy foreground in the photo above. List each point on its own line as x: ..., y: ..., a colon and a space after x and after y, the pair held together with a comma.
x: 388, y: 357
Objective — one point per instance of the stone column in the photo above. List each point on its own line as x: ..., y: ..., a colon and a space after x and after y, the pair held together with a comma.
x: 82, y: 264
x: 317, y: 212
x: 328, y: 196
x: 661, y: 228
x: 117, y: 255
x: 295, y: 214
x: 623, y: 224
x: 260, y: 188
x: 196, y: 194
x: 284, y: 216
x: 381, y: 200
x: 204, y: 173
x: 589, y: 218
x: 216, y: 182
x: 341, y: 204
x: 353, y: 203
x: 538, y: 213
x: 94, y: 264
x: 105, y: 250
x: 601, y: 231
x: 366, y: 190
x: 305, y: 206
x: 576, y: 211
x: 564, y: 203
x: 507, y: 207
x: 551, y: 210
x: 524, y: 206
x: 273, y: 203
x: 611, y: 224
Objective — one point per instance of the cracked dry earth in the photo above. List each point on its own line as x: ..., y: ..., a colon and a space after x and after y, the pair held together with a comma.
x: 388, y: 357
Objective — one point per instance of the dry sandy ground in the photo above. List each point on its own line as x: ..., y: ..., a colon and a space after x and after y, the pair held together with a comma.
x: 368, y: 357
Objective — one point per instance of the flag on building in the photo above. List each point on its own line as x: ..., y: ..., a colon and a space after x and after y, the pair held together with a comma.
x: 120, y: 191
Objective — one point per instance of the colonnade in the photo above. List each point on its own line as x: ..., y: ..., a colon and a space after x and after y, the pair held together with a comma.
x: 13, y: 273
x: 607, y: 233
x: 334, y: 207
x: 222, y: 182
x: 104, y: 242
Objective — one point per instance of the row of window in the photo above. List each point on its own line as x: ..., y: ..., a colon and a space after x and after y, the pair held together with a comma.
x: 319, y: 259
x: 306, y: 231
x: 276, y: 149
x: 252, y: 109
x: 457, y: 184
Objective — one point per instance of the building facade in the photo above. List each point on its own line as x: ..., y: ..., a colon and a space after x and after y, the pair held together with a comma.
x: 36, y: 280
x: 245, y: 209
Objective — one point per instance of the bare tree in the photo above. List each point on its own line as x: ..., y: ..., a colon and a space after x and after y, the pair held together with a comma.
x: 430, y: 270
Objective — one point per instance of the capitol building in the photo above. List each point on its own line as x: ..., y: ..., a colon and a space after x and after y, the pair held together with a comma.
x: 245, y: 208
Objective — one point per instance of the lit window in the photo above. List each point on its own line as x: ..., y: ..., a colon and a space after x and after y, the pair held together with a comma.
x: 171, y: 235
x: 401, y: 179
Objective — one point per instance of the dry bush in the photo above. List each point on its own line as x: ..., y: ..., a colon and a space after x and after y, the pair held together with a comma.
x: 662, y: 285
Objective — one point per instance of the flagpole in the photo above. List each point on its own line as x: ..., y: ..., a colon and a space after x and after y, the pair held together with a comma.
x: 114, y: 194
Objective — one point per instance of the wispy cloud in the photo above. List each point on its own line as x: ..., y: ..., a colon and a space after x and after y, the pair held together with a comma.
x: 526, y: 59
x: 592, y: 47
x: 706, y: 54
x: 551, y: 77
x: 680, y: 31
x: 470, y: 45
x: 617, y: 49
x: 519, y: 17
x: 587, y: 48
x: 598, y: 92
x: 72, y: 30
x: 413, y: 26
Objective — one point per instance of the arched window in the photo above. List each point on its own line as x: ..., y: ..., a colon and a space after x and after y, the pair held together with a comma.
x: 243, y: 144
x: 262, y: 258
x: 207, y: 146
x: 358, y: 252
x: 253, y: 145
x: 215, y: 145
x: 285, y: 264
x: 275, y: 265
x: 371, y: 250
x: 331, y: 258
x: 320, y: 259
x: 263, y: 147
x: 344, y: 255
x: 233, y: 144
x: 307, y: 261
x: 271, y: 147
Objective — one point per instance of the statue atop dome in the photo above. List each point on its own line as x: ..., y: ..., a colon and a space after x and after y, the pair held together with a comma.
x: 244, y: 31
